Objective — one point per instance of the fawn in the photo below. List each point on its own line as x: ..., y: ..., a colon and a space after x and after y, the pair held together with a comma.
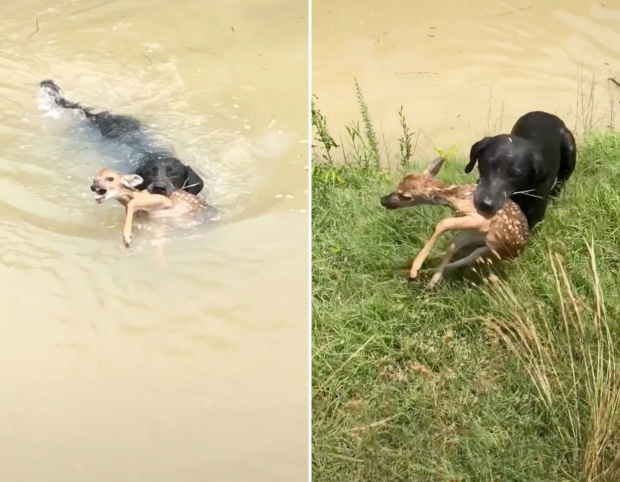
x: 503, y: 234
x: 109, y: 184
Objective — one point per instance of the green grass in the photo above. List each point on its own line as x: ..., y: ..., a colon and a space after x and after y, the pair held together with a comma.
x: 515, y: 381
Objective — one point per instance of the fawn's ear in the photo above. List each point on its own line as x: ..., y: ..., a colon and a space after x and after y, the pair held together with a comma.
x: 132, y: 181
x: 476, y: 151
x: 435, y: 166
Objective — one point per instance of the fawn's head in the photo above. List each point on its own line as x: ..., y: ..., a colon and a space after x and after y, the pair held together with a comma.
x: 415, y: 189
x: 109, y: 184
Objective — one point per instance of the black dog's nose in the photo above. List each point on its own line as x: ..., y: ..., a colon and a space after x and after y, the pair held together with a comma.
x: 158, y: 189
x: 486, y: 204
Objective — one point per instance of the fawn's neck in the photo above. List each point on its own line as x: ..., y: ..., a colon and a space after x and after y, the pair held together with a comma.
x: 455, y: 197
x: 125, y: 196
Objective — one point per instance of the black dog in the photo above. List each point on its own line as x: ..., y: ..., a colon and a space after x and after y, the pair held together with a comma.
x: 162, y: 173
x: 528, y: 166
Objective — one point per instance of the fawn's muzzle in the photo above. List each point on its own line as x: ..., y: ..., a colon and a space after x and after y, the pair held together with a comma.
x: 391, y: 201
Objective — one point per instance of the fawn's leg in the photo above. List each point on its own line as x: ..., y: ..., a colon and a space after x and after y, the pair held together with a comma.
x: 451, y: 224
x: 468, y: 249
x: 459, y: 242
x: 128, y: 224
x: 470, y: 259
x: 149, y: 204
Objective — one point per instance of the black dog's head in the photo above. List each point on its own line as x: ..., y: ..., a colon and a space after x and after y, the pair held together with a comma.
x: 506, y: 165
x: 164, y: 175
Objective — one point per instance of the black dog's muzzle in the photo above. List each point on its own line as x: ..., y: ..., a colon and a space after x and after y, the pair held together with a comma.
x: 160, y: 187
x: 490, y: 199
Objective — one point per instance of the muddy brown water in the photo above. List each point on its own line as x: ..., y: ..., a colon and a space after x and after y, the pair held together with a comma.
x: 184, y: 358
x: 464, y: 69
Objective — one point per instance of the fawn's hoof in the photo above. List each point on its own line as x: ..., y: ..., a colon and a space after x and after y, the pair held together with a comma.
x: 432, y: 286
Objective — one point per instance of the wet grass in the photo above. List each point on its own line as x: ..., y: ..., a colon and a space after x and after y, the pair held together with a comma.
x: 512, y: 381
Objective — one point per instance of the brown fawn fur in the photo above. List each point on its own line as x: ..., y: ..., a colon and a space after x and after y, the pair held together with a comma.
x: 109, y: 184
x: 503, y: 235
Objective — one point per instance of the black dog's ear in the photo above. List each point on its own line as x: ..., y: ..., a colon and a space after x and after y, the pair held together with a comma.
x: 476, y: 151
x: 193, y: 182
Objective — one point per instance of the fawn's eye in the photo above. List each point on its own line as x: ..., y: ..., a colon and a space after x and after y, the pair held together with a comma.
x: 109, y: 179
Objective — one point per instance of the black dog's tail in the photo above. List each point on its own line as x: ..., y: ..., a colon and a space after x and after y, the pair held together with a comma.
x: 568, y: 159
x: 50, y: 90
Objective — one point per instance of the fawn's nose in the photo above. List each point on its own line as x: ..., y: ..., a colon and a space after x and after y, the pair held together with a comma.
x: 389, y: 201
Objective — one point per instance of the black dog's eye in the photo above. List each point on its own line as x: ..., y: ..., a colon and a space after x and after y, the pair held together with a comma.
x: 109, y: 179
x: 172, y: 172
x: 405, y: 195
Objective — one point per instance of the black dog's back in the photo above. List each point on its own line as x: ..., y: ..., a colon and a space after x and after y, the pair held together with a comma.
x: 543, y: 129
x: 123, y: 128
x: 554, y: 140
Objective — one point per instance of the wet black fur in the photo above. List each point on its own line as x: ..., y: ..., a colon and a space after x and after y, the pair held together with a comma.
x: 162, y: 172
x: 528, y: 166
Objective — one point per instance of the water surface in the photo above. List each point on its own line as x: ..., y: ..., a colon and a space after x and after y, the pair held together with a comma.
x: 465, y: 69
